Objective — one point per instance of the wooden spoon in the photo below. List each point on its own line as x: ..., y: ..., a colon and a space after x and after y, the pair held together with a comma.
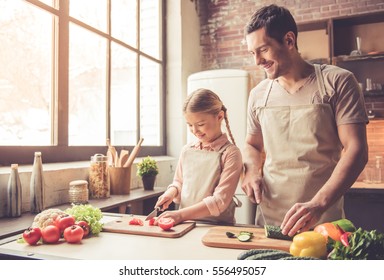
x: 123, y: 157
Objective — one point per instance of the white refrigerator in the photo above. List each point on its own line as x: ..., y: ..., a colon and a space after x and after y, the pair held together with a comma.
x: 232, y: 86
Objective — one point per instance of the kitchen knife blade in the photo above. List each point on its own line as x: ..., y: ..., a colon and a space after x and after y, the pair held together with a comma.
x: 262, y: 214
x: 153, y: 214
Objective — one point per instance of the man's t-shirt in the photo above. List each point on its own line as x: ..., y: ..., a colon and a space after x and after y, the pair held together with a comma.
x: 346, y: 100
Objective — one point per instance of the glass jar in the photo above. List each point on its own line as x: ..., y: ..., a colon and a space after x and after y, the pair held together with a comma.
x: 78, y: 192
x: 99, y: 185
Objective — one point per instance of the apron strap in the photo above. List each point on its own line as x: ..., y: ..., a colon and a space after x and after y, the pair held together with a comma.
x: 268, y: 92
x: 320, y: 84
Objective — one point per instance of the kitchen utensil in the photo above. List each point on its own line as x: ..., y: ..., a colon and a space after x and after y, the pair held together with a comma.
x: 121, y: 225
x: 123, y: 157
x: 216, y: 237
x: 153, y: 213
x: 262, y: 214
x: 134, y: 153
x: 112, y: 154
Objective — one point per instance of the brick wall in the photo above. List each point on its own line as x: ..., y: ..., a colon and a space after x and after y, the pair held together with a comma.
x: 222, y: 24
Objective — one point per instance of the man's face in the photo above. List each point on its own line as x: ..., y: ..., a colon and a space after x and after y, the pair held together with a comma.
x: 269, y: 54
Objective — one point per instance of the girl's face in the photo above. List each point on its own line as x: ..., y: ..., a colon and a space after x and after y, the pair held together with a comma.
x: 206, y: 127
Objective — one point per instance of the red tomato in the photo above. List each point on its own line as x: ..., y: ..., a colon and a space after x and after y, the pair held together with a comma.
x: 85, y: 226
x: 64, y: 221
x: 32, y: 235
x: 136, y: 222
x: 166, y: 223
x: 152, y: 221
x: 73, y: 234
x: 50, y: 234
x: 329, y: 230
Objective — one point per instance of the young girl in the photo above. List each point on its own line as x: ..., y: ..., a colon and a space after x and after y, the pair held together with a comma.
x: 208, y: 170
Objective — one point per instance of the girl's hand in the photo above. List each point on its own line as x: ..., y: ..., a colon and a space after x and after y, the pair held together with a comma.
x: 175, y: 215
x: 166, y: 198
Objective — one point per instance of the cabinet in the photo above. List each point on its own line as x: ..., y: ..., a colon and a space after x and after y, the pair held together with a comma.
x: 365, y: 207
x: 333, y: 41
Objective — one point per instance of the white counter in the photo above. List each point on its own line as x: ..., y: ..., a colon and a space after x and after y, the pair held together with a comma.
x: 118, y: 246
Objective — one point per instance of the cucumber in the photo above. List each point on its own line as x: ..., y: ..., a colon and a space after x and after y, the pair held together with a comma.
x: 245, y: 254
x: 246, y: 232
x: 274, y: 255
x: 230, y: 234
x: 244, y: 237
x: 275, y: 232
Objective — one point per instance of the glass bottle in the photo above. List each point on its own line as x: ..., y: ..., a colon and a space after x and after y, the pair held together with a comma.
x: 36, y: 185
x: 99, y: 181
x: 14, y: 193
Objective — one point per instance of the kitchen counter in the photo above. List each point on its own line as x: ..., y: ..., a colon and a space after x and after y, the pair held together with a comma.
x: 10, y: 226
x: 118, y: 246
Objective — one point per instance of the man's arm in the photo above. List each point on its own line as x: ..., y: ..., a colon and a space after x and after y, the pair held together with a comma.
x: 303, y: 216
x: 253, y: 161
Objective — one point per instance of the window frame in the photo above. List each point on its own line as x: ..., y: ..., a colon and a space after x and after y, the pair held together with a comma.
x: 60, y: 151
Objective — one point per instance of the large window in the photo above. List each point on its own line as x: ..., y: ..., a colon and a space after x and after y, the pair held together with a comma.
x: 77, y: 72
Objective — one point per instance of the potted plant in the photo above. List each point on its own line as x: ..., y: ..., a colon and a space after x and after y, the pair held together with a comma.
x: 147, y: 169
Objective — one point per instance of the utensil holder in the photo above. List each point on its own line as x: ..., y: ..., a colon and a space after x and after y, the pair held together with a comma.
x: 120, y: 180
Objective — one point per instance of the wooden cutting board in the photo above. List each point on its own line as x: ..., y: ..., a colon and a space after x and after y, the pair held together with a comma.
x: 121, y: 225
x: 216, y: 237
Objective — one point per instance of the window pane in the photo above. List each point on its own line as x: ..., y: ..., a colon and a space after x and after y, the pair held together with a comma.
x: 91, y: 12
x: 25, y: 74
x: 87, y: 87
x: 123, y: 96
x: 124, y: 21
x: 150, y: 27
x: 150, y: 102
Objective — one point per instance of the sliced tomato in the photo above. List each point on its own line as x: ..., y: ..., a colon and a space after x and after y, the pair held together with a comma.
x: 166, y: 223
x: 152, y: 221
x: 329, y: 230
x: 136, y: 222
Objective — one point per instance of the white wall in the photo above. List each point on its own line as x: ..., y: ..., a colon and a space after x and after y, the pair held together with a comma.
x: 183, y: 59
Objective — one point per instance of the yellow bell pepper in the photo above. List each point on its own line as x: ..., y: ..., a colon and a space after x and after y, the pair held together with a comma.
x: 309, y: 244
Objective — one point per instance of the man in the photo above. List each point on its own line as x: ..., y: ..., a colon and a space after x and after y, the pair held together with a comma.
x: 310, y: 120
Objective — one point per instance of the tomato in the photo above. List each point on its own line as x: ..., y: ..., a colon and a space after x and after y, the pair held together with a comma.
x: 63, y: 221
x: 85, y: 226
x: 166, y: 223
x: 73, y: 234
x: 136, y: 222
x: 32, y: 235
x: 50, y: 234
x: 329, y: 230
x: 152, y: 221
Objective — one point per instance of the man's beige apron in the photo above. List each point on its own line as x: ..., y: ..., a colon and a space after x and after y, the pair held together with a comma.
x: 302, y: 149
x: 201, y: 174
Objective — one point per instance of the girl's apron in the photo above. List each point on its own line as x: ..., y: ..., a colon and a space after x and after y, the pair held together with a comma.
x: 302, y: 149
x: 201, y: 174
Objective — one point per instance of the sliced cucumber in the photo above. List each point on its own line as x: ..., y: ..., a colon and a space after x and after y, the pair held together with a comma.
x: 246, y: 232
x: 230, y: 234
x: 244, y: 237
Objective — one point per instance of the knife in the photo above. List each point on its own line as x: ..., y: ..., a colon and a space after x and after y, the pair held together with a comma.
x: 262, y: 214
x: 153, y: 213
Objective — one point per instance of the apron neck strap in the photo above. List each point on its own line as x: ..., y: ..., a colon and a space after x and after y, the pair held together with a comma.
x: 320, y: 84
